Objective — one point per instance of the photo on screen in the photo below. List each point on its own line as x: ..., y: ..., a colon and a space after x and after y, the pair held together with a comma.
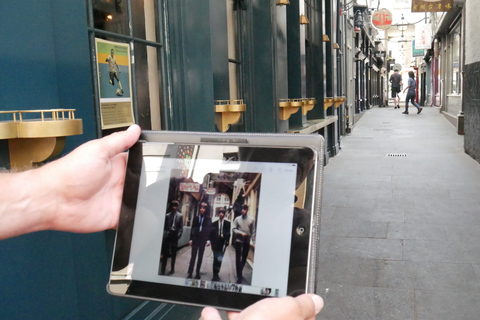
x: 210, y: 228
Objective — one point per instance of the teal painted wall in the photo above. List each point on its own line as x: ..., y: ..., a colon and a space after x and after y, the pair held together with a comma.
x: 190, y: 62
x: 45, y: 63
x: 259, y: 55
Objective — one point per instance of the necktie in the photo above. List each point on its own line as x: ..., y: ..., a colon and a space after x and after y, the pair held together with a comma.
x: 201, y: 223
x: 173, y: 224
x: 220, y: 231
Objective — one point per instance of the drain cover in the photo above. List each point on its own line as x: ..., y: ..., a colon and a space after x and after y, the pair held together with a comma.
x: 396, y: 154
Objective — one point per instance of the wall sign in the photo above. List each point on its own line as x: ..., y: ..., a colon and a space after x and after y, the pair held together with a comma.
x: 431, y: 5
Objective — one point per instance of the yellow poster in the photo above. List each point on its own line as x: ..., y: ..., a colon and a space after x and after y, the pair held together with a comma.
x: 114, y: 83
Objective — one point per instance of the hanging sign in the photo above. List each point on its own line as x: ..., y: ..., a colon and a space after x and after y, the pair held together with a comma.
x: 423, y: 36
x: 189, y: 187
x: 382, y: 19
x: 416, y: 52
x: 431, y: 5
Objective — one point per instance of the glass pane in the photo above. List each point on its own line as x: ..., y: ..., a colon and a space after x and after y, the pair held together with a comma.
x: 456, y: 63
x: 148, y: 86
x: 111, y: 15
x: 232, y: 29
x: 233, y: 74
x: 144, y: 25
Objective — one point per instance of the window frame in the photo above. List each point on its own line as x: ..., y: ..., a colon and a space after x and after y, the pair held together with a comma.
x: 454, y: 35
x: 132, y: 40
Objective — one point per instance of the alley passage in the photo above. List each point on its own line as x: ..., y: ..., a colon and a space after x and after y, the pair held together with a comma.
x: 400, y: 235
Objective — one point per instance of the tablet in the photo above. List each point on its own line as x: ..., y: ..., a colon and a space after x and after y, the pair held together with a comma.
x: 219, y: 219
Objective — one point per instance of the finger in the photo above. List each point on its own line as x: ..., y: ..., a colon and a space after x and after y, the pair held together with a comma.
x: 310, y: 305
x: 209, y: 313
x: 122, y: 140
x: 232, y: 315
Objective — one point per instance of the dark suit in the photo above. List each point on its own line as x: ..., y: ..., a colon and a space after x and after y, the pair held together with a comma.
x: 200, y: 234
x: 172, y: 231
x: 219, y: 239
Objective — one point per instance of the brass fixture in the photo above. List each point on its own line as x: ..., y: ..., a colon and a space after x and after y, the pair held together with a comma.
x: 327, y: 102
x: 296, y: 102
x: 308, y: 105
x: 282, y: 2
x: 336, y: 46
x: 291, y: 106
x: 286, y: 109
x: 32, y: 140
x: 338, y: 101
x: 304, y: 19
x: 326, y: 38
x: 228, y: 112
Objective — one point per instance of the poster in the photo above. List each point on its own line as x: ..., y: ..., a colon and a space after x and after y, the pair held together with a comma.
x: 114, y: 83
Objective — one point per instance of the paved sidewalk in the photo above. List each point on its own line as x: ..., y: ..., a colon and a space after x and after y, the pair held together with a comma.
x: 400, y: 235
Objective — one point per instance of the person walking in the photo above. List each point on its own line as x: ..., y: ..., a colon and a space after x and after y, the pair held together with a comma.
x: 396, y: 81
x: 411, y: 93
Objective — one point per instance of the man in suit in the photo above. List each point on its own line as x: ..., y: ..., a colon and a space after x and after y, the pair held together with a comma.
x: 199, y: 238
x: 244, y: 234
x: 172, y: 231
x: 219, y: 238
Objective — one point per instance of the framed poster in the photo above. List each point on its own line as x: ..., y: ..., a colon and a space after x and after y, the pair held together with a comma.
x: 114, y: 83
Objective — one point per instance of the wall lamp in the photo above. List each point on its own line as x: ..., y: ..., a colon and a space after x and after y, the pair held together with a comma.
x: 283, y: 2
x: 304, y: 19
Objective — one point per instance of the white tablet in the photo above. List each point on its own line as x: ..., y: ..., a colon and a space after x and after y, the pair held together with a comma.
x: 219, y: 219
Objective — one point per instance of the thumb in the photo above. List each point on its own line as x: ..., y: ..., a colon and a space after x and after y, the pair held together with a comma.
x: 121, y: 141
x: 209, y: 313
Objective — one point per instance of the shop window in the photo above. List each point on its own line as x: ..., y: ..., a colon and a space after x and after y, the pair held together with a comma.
x: 234, y: 52
x: 455, y: 59
x: 235, y: 61
x: 135, y: 26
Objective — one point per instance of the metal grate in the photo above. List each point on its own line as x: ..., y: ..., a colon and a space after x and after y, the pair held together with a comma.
x: 396, y: 154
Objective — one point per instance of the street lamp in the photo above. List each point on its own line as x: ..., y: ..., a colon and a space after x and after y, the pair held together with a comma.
x: 358, y: 19
x: 403, y: 26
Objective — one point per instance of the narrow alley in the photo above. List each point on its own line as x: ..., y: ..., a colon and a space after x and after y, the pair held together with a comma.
x: 400, y: 220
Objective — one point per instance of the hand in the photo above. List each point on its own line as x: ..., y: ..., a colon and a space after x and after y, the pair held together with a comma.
x: 89, y: 183
x: 208, y: 243
x: 303, y: 307
x: 190, y: 242
x: 80, y: 192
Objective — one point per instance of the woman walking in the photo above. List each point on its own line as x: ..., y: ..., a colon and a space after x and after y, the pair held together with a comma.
x: 411, y: 93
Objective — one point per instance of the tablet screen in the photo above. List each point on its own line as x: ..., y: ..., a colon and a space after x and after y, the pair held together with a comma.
x: 210, y: 224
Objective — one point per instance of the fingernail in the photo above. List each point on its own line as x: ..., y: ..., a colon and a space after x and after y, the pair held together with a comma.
x: 318, y: 301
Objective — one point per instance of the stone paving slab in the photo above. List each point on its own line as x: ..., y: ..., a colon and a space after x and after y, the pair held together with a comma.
x: 400, y: 235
